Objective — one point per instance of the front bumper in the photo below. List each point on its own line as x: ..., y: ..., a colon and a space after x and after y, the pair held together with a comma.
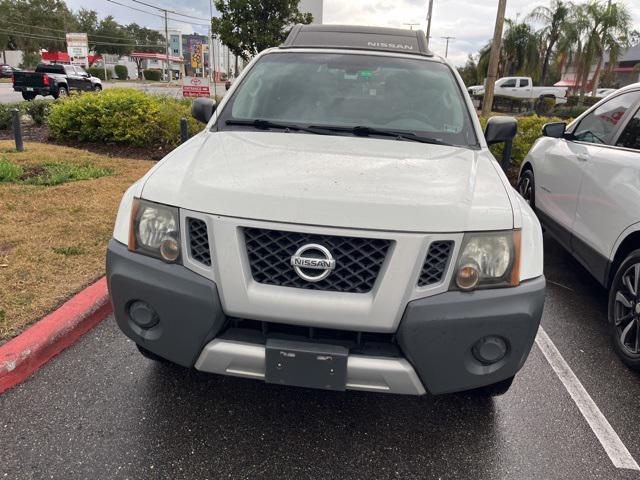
x: 435, y: 336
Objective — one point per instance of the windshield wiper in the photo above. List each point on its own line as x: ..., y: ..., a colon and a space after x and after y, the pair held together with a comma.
x: 267, y: 125
x: 362, y: 131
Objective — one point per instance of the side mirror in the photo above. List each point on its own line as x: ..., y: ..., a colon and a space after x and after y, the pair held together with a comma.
x: 202, y: 109
x: 500, y: 129
x: 554, y: 130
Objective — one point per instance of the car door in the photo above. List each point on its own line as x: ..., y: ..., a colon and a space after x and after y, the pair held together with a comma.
x: 507, y: 87
x: 84, y: 79
x: 610, y: 193
x: 73, y: 81
x: 524, y: 88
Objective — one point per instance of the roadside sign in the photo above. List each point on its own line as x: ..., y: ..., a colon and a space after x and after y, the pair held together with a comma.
x: 78, y: 48
x: 196, y: 56
x: 195, y: 87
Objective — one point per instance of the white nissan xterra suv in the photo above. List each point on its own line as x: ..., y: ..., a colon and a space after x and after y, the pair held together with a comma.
x: 339, y: 224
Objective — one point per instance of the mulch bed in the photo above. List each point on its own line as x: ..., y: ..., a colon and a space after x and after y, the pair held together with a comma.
x: 40, y: 133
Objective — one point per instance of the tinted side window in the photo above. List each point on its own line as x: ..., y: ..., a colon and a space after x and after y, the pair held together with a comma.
x: 524, y: 82
x: 630, y: 137
x: 509, y: 83
x: 69, y: 70
x: 600, y: 124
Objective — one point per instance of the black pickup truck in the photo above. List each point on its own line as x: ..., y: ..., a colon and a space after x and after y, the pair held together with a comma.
x: 56, y: 80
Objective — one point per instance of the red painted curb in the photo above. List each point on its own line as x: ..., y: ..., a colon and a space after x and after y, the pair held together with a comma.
x: 23, y: 355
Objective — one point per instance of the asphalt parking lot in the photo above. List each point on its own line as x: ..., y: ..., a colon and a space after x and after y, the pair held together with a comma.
x: 100, y: 410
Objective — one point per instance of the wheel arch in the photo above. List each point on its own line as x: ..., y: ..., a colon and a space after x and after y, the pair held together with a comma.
x: 627, y: 242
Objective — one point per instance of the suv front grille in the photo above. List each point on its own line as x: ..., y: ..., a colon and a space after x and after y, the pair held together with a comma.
x: 199, y: 241
x: 358, y: 260
x: 435, y: 265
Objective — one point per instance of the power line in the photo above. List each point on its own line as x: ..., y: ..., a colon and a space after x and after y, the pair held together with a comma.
x: 66, y: 31
x: 172, y: 11
x: 157, y: 14
x: 59, y: 39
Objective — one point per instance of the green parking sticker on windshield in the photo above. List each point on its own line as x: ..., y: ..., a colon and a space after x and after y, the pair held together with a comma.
x: 366, y: 73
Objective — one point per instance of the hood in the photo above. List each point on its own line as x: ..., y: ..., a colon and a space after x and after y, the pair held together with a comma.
x: 337, y: 181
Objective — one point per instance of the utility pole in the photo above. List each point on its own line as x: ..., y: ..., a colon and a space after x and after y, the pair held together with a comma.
x: 212, y: 70
x: 411, y: 25
x: 429, y: 15
x: 166, y: 41
x: 493, y: 59
x: 446, y: 51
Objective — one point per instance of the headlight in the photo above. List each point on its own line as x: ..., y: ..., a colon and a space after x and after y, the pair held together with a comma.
x: 155, y: 230
x: 488, y: 259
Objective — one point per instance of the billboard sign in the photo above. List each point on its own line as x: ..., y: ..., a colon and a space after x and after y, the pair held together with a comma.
x: 196, y: 56
x: 195, y: 87
x: 78, y: 48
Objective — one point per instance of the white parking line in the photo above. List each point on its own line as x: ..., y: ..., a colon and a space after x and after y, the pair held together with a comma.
x: 607, y: 436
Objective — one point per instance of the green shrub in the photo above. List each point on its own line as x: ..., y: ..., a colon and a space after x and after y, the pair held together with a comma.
x: 38, y: 110
x: 123, y: 116
x: 99, y: 72
x: 529, y: 130
x: 152, y: 74
x: 121, y: 72
x: 588, y: 101
x: 5, y: 115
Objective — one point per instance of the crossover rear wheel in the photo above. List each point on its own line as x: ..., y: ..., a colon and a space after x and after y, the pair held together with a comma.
x: 624, y: 311
x: 526, y: 187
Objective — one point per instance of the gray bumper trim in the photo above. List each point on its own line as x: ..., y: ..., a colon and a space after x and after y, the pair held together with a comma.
x: 437, y: 334
x: 373, y: 374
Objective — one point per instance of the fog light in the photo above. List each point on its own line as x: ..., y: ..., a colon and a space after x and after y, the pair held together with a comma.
x: 468, y: 276
x: 169, y: 249
x: 490, y: 349
x: 143, y: 314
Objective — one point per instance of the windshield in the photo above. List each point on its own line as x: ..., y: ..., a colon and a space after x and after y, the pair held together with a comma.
x: 419, y: 97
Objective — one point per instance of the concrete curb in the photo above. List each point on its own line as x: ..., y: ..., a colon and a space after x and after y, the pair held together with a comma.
x: 25, y: 354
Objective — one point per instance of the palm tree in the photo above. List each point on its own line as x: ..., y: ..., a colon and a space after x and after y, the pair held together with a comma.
x: 555, y: 19
x: 615, y: 30
x: 520, y: 49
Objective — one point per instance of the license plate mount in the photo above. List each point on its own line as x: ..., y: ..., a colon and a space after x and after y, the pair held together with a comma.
x: 306, y: 364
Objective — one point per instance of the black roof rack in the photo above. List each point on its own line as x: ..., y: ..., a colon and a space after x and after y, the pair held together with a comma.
x: 359, y: 38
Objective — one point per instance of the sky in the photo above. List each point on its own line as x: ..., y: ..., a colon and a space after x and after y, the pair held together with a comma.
x: 471, y: 22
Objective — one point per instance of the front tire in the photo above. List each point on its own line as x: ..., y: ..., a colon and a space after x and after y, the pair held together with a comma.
x: 150, y: 355
x: 97, y: 88
x: 493, y: 390
x: 526, y: 187
x: 624, y: 311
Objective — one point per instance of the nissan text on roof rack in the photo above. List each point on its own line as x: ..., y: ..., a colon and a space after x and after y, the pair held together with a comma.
x: 339, y: 224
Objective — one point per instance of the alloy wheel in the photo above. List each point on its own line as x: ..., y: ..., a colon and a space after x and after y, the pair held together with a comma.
x: 626, y: 313
x: 524, y: 188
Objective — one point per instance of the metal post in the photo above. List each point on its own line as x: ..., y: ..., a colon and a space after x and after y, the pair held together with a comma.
x: 429, y: 21
x: 506, y: 154
x: 17, y: 129
x: 166, y: 38
x: 184, y: 130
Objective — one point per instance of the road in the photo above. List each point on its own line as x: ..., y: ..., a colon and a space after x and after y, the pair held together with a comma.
x: 100, y: 410
x: 7, y: 95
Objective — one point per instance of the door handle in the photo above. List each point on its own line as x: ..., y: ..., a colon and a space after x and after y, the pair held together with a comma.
x: 583, y: 157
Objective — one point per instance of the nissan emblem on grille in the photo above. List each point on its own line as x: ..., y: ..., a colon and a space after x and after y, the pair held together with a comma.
x: 320, y: 259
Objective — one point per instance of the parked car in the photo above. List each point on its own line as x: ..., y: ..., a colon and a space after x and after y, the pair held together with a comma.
x: 56, y: 80
x: 522, y: 88
x: 583, y: 180
x: 6, y: 70
x: 340, y: 223
x: 605, y: 92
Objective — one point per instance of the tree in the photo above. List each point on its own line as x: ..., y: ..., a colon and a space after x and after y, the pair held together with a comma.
x: 32, y: 25
x: 147, y: 41
x: 615, y: 35
x: 249, y: 26
x: 555, y: 19
x: 469, y: 72
x: 520, y: 50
